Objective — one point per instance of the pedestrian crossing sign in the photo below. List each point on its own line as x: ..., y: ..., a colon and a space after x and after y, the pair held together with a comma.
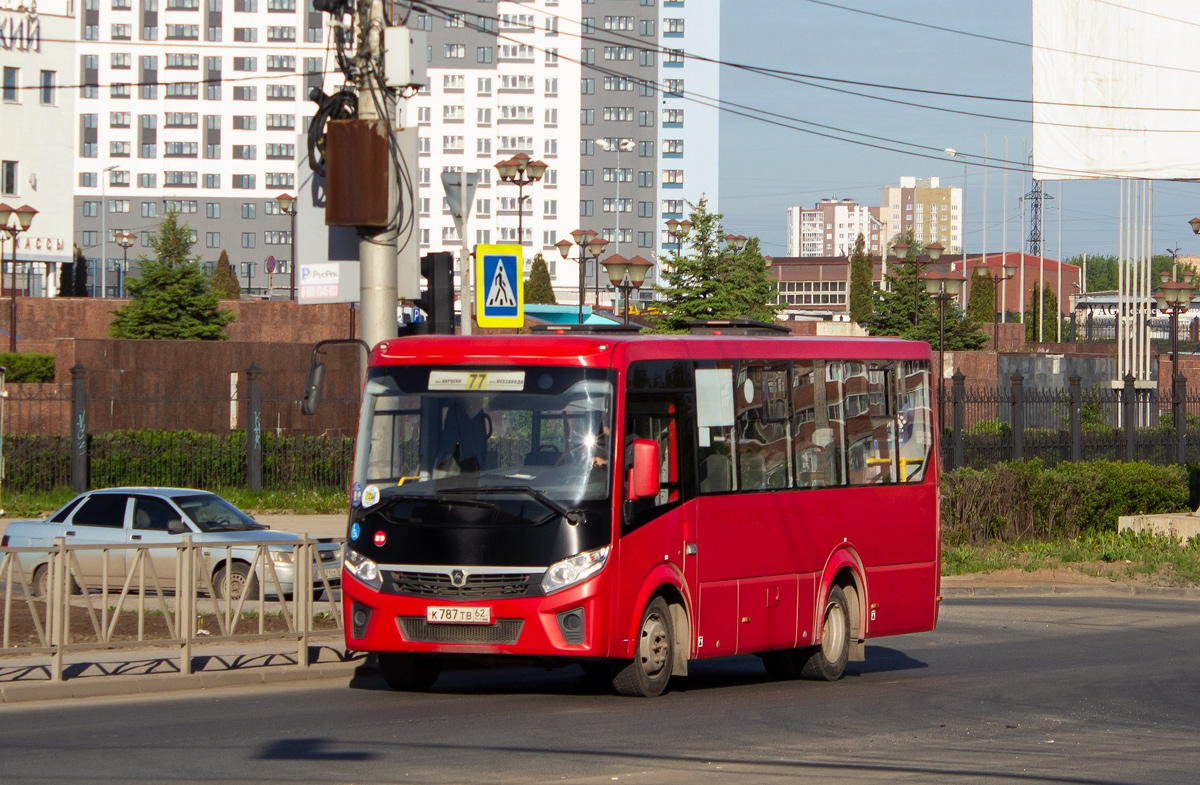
x: 500, y: 291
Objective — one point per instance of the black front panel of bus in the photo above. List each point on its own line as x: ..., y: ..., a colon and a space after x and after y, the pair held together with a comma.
x: 445, y: 537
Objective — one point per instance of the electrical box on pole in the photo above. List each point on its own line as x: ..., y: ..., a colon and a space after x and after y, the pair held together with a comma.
x: 404, y: 57
x: 438, y: 300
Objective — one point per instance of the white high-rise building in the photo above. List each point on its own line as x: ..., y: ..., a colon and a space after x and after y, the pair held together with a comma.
x: 831, y: 228
x: 202, y: 106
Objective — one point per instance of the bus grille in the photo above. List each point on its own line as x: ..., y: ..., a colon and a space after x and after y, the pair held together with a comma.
x: 485, y: 586
x: 417, y: 630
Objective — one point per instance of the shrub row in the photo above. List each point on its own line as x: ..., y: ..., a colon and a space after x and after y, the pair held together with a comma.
x: 1023, y: 500
x: 28, y: 368
x: 187, y: 459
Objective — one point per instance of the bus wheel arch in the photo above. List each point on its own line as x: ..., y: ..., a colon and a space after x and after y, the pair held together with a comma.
x: 844, y: 569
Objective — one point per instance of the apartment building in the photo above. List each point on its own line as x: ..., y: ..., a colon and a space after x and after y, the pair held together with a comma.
x: 198, y: 106
x: 37, y: 107
x: 931, y: 212
x: 201, y: 106
x: 831, y: 228
x: 596, y: 90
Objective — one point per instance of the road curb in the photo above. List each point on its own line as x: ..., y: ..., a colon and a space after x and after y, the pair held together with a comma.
x: 111, y: 686
x: 1115, y: 590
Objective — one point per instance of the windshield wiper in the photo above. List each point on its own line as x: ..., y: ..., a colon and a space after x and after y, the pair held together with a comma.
x: 572, y: 516
x: 390, y: 500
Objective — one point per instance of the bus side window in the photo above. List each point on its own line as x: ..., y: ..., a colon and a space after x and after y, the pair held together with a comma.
x: 760, y: 401
x: 661, y: 428
x: 915, y: 420
x: 817, y: 439
x: 714, y: 421
x: 869, y: 424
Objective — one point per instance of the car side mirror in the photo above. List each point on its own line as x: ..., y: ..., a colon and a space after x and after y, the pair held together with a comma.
x: 176, y: 526
x: 643, y: 477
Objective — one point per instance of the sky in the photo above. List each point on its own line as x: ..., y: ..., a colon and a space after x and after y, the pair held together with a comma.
x: 766, y: 168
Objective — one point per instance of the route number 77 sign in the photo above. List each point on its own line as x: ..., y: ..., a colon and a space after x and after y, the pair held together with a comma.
x: 499, y: 288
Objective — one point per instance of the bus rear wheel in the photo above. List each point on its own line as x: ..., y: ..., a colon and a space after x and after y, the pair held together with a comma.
x: 408, y: 673
x: 827, y: 661
x: 646, y: 676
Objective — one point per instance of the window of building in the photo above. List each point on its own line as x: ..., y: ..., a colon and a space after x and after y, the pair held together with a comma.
x: 248, y: 239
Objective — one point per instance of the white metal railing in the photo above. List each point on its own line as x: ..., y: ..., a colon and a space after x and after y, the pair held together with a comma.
x: 166, y: 595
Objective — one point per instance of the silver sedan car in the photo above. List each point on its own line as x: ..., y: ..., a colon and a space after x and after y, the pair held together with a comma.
x: 128, y: 516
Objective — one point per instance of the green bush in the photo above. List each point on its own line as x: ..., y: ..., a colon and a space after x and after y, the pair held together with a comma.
x: 1025, y: 500
x: 993, y: 427
x: 27, y: 368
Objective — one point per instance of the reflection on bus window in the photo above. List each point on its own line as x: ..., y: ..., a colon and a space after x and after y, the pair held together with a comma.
x: 760, y: 399
x: 915, y: 420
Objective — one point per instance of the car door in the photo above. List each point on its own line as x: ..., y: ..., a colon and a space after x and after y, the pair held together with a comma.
x: 152, y: 521
x: 100, y: 521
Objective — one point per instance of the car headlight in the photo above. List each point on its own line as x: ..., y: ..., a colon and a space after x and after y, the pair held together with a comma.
x: 281, y: 557
x: 576, y: 569
x: 364, y: 569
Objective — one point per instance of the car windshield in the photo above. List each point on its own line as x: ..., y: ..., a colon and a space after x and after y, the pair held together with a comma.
x: 427, y: 430
x: 213, y: 514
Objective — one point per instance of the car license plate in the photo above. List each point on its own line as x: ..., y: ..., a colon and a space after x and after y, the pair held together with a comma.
x: 458, y: 614
x: 333, y: 572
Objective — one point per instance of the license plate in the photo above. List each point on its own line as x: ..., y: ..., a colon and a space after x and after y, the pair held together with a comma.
x: 458, y: 614
x: 333, y: 572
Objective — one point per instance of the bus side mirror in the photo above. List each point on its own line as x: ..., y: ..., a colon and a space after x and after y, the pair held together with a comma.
x: 312, y: 388
x: 643, y: 478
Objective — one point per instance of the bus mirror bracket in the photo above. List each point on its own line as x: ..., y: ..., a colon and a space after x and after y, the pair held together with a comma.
x: 316, y: 373
x: 643, y: 478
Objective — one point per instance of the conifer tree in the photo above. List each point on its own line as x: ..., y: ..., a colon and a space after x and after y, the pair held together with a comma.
x: 1049, y: 312
x: 981, y: 301
x: 861, y: 264
x: 709, y: 280
x: 224, y: 281
x: 173, y: 299
x: 538, y: 288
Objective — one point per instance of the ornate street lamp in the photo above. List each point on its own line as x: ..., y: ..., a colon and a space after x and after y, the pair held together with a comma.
x: 942, y: 288
x: 678, y: 230
x: 287, y: 205
x: 633, y: 270
x: 588, y: 242
x: 125, y: 240
x: 736, y: 241
x: 24, y: 215
x: 521, y: 171
x: 918, y: 263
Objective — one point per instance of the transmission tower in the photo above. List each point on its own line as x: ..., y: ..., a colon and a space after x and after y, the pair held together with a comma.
x: 1035, y: 197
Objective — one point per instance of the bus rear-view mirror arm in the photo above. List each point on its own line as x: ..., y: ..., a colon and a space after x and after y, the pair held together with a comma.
x: 316, y: 373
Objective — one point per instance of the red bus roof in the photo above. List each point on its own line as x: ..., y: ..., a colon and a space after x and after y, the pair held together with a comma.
x: 608, y: 350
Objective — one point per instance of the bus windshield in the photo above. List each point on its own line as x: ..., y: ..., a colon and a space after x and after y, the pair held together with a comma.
x: 426, y: 430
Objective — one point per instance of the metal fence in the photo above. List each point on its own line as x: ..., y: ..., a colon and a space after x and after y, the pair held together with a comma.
x: 982, y: 426
x: 108, y: 434
x: 56, y: 600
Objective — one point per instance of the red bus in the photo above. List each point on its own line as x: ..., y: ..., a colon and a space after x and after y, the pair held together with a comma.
x: 633, y: 503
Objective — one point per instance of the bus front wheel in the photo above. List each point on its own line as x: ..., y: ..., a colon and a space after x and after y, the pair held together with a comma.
x: 646, y: 676
x: 406, y: 673
x: 828, y: 660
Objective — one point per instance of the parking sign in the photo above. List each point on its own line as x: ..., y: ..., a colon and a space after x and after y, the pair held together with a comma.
x: 500, y: 291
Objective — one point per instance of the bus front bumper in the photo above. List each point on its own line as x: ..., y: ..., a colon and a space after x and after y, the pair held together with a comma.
x: 568, y: 623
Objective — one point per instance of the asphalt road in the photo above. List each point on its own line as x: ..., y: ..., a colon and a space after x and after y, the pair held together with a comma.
x: 1070, y: 690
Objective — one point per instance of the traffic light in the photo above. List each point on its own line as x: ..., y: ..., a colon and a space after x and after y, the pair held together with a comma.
x: 438, y: 300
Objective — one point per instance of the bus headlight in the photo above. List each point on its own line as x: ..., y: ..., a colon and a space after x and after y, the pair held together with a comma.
x: 364, y: 569
x: 576, y: 569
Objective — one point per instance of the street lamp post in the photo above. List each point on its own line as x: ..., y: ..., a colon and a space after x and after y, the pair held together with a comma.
x: 104, y: 175
x: 24, y: 215
x: 999, y: 279
x: 521, y: 171
x: 942, y: 288
x: 918, y: 263
x: 287, y: 204
x: 632, y: 270
x: 125, y: 240
x: 588, y: 241
x: 678, y: 230
x: 628, y: 146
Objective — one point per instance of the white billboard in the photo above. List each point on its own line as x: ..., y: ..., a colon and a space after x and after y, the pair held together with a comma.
x: 1114, y: 89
